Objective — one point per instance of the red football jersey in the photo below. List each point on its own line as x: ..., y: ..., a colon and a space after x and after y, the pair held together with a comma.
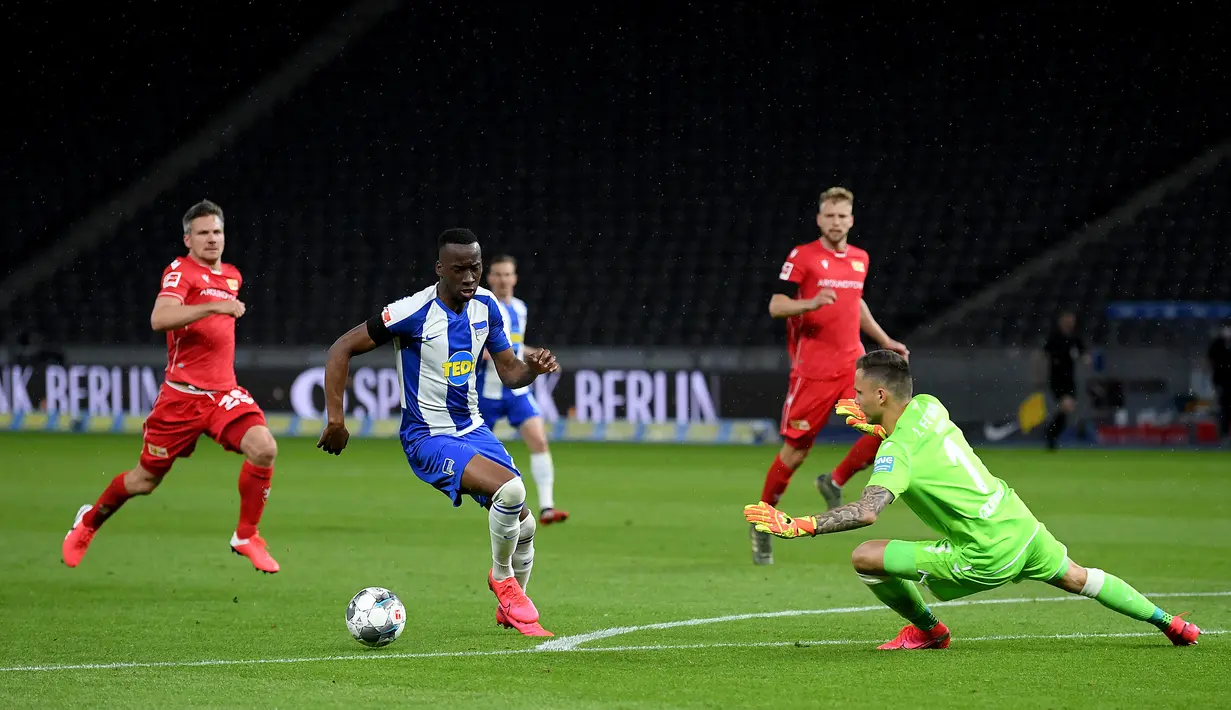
x: 824, y: 344
x: 202, y: 354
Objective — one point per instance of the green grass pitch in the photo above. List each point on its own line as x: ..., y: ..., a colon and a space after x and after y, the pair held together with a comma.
x: 656, y: 538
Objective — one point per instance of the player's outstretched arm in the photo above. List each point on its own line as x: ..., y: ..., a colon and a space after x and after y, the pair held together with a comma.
x: 869, y: 325
x: 356, y: 341
x: 851, y: 516
x: 169, y: 313
x: 516, y: 373
x: 858, y: 514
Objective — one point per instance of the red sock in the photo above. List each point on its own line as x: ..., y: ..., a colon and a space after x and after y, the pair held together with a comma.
x: 253, y: 490
x: 109, y: 502
x: 776, y: 479
x: 857, y: 459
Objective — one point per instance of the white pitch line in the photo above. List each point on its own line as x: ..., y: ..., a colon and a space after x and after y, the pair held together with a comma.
x: 374, y: 656
x: 574, y: 641
x: 569, y: 643
x: 874, y: 642
x: 599, y: 649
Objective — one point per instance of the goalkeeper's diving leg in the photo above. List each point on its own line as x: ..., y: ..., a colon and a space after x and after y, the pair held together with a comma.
x: 924, y: 631
x: 1116, y: 594
x: 890, y: 568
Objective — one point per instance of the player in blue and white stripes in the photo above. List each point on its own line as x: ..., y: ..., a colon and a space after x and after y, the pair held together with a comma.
x: 497, y: 400
x: 440, y: 333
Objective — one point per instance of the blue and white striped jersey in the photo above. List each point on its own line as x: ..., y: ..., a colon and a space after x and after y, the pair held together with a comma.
x: 514, y: 314
x: 437, y: 353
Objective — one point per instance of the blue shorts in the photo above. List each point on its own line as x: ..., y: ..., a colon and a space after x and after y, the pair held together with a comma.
x: 517, y: 407
x: 440, y: 460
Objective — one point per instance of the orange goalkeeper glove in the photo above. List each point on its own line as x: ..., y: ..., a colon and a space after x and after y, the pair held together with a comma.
x: 857, y: 419
x: 770, y: 520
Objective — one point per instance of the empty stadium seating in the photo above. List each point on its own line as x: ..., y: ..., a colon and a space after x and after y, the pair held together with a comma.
x: 650, y: 172
x: 101, y: 95
x: 1176, y: 251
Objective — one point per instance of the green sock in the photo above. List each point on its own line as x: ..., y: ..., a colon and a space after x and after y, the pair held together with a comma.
x: 1117, y: 595
x: 1161, y: 619
x: 903, y: 597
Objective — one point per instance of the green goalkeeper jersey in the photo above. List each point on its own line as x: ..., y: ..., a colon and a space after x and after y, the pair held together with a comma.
x: 928, y: 464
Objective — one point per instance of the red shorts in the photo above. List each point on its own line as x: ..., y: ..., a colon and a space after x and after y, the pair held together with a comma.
x: 180, y: 418
x: 809, y: 405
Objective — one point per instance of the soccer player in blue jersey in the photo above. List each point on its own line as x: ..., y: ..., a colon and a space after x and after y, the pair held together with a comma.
x: 439, y: 334
x: 497, y: 400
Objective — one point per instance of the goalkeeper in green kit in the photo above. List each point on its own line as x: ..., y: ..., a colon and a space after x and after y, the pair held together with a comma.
x: 990, y: 537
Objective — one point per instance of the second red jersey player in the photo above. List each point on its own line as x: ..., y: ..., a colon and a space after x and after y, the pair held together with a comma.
x: 196, y: 306
x: 820, y: 294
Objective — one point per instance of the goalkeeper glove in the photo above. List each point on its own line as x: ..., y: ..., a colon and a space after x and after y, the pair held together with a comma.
x: 768, y: 519
x: 857, y: 419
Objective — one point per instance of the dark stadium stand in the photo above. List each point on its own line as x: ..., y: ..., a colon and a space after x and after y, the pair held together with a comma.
x: 105, y: 94
x: 1176, y: 251
x: 651, y: 172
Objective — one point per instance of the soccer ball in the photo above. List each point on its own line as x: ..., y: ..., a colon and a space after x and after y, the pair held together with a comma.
x: 375, y: 617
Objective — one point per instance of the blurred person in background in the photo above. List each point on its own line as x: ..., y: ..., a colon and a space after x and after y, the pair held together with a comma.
x: 1219, y: 356
x: 1061, y: 351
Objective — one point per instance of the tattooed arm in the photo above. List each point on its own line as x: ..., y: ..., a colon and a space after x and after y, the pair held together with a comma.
x: 859, y: 514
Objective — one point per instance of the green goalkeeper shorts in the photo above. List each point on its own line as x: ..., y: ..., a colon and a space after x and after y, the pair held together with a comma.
x: 945, y: 570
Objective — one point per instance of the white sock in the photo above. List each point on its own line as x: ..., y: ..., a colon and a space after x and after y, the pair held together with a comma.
x: 502, y: 520
x: 523, y: 556
x: 544, y: 472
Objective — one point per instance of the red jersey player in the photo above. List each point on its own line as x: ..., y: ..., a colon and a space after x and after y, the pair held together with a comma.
x: 196, y: 307
x: 820, y: 293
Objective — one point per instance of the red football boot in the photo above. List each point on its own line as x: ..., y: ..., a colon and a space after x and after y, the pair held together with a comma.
x: 913, y: 638
x: 77, y: 541
x: 526, y: 629
x: 552, y: 515
x: 1181, y: 632
x: 513, y: 601
x: 254, y: 549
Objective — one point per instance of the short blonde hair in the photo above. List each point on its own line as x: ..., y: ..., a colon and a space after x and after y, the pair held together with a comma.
x: 836, y: 194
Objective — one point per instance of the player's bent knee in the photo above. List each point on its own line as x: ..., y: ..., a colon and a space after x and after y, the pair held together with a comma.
x: 794, y: 451
x: 511, y: 496
x: 140, y: 482
x: 1079, y: 580
x: 484, y: 476
x: 259, y: 445
x: 869, y: 557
